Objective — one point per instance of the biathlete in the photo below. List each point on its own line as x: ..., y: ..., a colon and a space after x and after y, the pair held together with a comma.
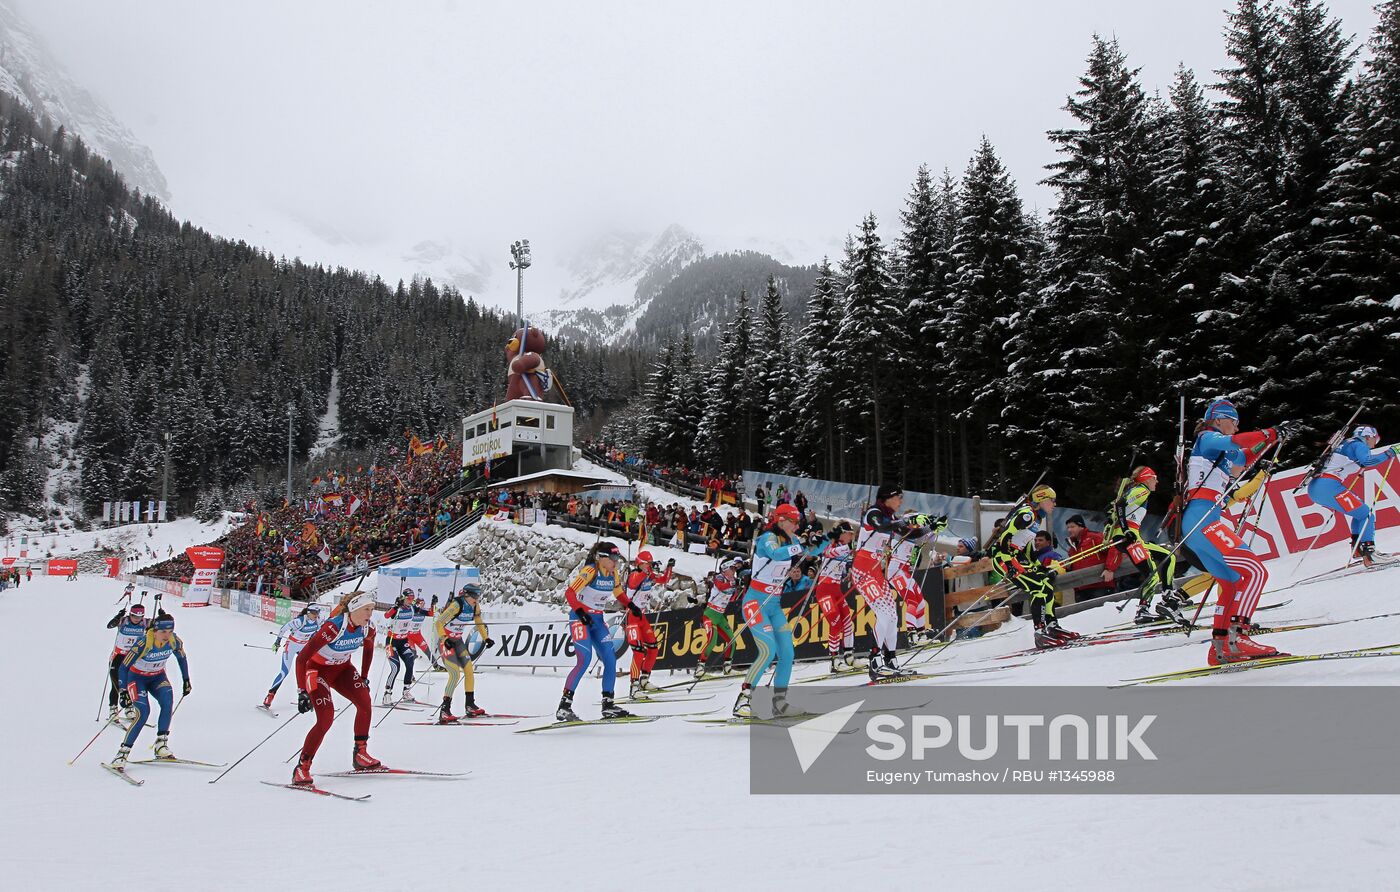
x: 131, y: 625
x: 1012, y: 554
x: 1330, y: 490
x: 762, y: 608
x: 641, y: 637
x: 1220, y: 453
x: 143, y: 677
x: 453, y: 624
x: 297, y: 631
x: 324, y: 665
x: 403, y: 620
x: 1155, y: 564
x: 724, y: 586
x: 599, y: 579
x: 833, y: 572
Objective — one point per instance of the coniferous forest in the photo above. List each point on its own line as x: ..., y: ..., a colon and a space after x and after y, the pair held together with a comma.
x: 1239, y: 235
x: 118, y: 316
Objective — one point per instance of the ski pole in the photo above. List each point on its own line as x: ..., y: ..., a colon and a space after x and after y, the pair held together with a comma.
x: 328, y: 727
x: 255, y: 749
x: 261, y: 647
x: 994, y: 588
x: 106, y: 679
x: 93, y: 740
x: 1000, y: 604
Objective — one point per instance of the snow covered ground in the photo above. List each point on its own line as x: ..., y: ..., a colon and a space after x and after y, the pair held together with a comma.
x: 164, y: 539
x: 665, y: 804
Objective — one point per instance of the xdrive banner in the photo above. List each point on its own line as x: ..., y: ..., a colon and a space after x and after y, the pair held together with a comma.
x: 1078, y: 740
x: 1288, y: 521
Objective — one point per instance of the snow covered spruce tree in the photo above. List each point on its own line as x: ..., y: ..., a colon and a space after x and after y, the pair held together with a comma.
x: 725, y: 434
x: 1349, y: 273
x: 1195, y: 244
x: 993, y: 255
x: 775, y: 385
x: 923, y: 265
x: 1078, y: 390
x: 869, y: 342
x: 819, y: 441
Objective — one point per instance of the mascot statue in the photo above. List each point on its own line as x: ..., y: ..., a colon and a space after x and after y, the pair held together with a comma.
x: 526, y: 377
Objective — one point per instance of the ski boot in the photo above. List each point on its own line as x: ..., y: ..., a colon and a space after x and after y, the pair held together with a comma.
x: 873, y: 667
x: 644, y: 683
x: 445, y: 716
x: 892, y: 666
x: 1045, y: 638
x: 407, y: 696
x: 1366, y: 551
x: 835, y: 666
x: 611, y: 710
x: 1167, y: 610
x: 848, y: 656
x: 387, y: 699
x: 728, y: 668
x: 112, y: 714
x: 301, y: 775
x: 565, y: 712
x: 700, y: 670
x: 742, y: 706
x: 635, y: 689
x: 1054, y: 625
x: 119, y: 762
x: 1251, y: 649
x: 1222, y: 649
x: 473, y: 711
x: 162, y: 748
x: 1144, y: 615
x: 781, y: 706
x: 362, y: 760
x: 267, y: 701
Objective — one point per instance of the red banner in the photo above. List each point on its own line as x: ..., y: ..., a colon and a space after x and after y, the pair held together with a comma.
x: 205, y: 557
x: 63, y: 567
x: 114, y: 566
x: 1288, y: 521
x: 8, y: 562
x: 207, y: 560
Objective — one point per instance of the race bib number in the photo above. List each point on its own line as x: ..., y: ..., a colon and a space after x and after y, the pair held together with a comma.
x: 1222, y: 537
x: 578, y: 630
x: 634, y: 635
x: 1136, y: 553
x: 1348, y: 501
x: 753, y: 614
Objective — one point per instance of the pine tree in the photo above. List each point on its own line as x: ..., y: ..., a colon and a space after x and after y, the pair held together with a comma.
x: 1351, y: 270
x: 994, y: 254
x: 921, y: 286
x: 725, y: 434
x: 1195, y: 245
x: 869, y: 341
x: 1076, y: 373
x: 816, y: 435
x: 772, y: 374
x: 655, y: 432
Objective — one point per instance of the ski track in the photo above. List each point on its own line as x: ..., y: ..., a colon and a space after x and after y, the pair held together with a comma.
x: 541, y: 808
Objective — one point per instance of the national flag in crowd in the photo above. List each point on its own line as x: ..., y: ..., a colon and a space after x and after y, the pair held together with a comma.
x: 261, y: 526
x: 288, y: 547
x: 324, y: 554
x: 355, y: 505
x: 332, y: 498
x: 315, y: 480
x: 308, y: 534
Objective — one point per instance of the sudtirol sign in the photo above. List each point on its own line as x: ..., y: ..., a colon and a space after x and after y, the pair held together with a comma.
x: 496, y: 444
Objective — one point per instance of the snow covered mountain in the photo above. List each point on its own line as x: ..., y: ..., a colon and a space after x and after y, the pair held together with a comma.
x: 29, y: 72
x: 603, y: 288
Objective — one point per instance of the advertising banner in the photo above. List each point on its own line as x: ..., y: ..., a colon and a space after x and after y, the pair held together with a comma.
x: 114, y: 566
x: 206, y: 560
x: 1288, y: 521
x: 63, y: 567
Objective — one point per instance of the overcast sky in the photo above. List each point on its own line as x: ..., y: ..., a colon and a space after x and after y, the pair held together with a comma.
x: 395, y: 122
